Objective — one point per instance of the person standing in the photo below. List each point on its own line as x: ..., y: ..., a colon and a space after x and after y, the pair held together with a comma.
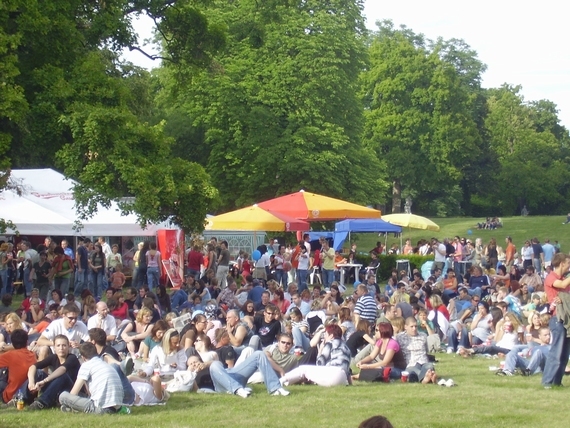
x: 537, y: 255
x: 439, y: 252
x: 153, y: 266
x: 549, y: 250
x: 223, y: 265
x: 510, y: 252
x: 327, y: 257
x: 302, y: 267
x: 557, y: 357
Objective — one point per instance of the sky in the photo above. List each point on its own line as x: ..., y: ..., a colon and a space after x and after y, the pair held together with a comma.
x: 521, y: 43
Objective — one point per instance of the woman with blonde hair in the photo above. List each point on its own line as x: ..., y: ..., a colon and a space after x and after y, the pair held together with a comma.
x: 167, y: 357
x: 12, y: 323
x: 345, y: 322
x: 89, y: 308
x: 137, y: 331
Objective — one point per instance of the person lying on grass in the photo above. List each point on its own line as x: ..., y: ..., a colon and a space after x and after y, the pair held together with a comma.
x: 148, y: 391
x: 414, y: 347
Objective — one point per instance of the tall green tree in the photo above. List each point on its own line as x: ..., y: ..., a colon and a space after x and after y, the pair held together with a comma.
x: 278, y: 110
x: 417, y: 114
x: 70, y: 102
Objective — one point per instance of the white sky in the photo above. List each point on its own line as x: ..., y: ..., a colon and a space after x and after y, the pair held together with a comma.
x: 521, y: 43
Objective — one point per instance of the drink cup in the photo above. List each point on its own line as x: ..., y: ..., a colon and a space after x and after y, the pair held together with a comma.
x: 20, y: 404
x: 502, y: 365
x: 404, y: 376
x: 157, y: 372
x: 297, y: 352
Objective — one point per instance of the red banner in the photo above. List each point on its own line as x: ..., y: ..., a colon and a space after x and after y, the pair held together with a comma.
x: 171, y: 247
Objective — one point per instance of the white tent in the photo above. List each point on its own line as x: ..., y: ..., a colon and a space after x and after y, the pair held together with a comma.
x: 47, y: 207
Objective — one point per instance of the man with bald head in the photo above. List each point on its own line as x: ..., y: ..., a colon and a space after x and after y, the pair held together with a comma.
x: 103, y: 320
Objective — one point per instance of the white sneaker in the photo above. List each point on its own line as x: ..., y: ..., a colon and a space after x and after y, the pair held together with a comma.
x: 450, y: 350
x: 242, y: 393
x: 283, y: 381
x: 441, y: 382
x: 449, y: 383
x: 282, y: 392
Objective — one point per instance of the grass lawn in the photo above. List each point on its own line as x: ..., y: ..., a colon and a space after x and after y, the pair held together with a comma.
x: 519, y: 228
x: 480, y: 399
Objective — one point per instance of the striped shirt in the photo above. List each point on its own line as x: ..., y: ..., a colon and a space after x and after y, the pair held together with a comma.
x: 335, y: 354
x: 103, y: 381
x: 366, y: 308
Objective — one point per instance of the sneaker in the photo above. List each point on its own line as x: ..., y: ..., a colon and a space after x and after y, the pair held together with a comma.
x: 525, y: 372
x: 127, y: 366
x: 281, y: 391
x: 36, y: 405
x: 12, y: 403
x: 66, y: 409
x: 284, y: 381
x: 450, y: 383
x: 504, y: 373
x: 450, y: 350
x: 242, y: 393
x: 441, y: 382
x: 124, y: 410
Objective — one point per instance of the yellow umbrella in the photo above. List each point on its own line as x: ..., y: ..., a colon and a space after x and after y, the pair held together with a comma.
x: 411, y: 221
x: 255, y: 218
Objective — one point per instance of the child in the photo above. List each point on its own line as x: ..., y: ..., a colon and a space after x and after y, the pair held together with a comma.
x: 118, y: 278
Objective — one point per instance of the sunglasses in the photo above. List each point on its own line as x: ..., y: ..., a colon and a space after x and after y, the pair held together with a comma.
x: 71, y: 318
x: 285, y: 343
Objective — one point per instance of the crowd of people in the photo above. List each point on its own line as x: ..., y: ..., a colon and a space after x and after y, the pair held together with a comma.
x: 132, y: 346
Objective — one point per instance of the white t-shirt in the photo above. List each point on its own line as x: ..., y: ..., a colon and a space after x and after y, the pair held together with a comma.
x: 439, y: 257
x: 77, y: 333
x: 304, y: 261
x: 158, y: 359
x: 109, y: 324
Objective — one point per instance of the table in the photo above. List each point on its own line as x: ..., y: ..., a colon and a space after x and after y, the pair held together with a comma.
x: 347, y: 265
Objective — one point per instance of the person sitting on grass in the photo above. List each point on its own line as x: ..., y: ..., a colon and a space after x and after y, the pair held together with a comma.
x: 63, y: 374
x: 153, y: 339
x: 537, y: 360
x: 168, y: 356
x: 102, y: 381
x: 506, y: 339
x: 18, y: 360
x: 386, y: 361
x: 137, y: 331
x: 414, y: 347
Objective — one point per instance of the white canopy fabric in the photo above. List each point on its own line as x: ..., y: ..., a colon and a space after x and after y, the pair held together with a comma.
x: 47, y: 207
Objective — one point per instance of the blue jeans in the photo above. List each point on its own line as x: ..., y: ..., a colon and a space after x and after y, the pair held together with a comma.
x: 51, y: 390
x: 280, y: 277
x: 128, y: 391
x: 230, y: 380
x: 153, y: 277
x: 62, y: 284
x: 81, y: 281
x: 557, y: 358
x: 300, y: 339
x: 537, y: 265
x: 28, y: 284
x: 453, y: 342
x: 96, y: 285
x: 177, y: 299
x: 419, y: 371
x: 513, y: 360
x: 328, y: 277
x: 3, y: 282
x: 302, y: 279
x: 141, y: 277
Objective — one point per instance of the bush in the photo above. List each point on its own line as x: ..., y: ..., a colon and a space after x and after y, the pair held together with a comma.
x: 388, y: 262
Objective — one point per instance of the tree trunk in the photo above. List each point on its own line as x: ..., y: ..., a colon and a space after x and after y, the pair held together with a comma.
x: 396, y: 196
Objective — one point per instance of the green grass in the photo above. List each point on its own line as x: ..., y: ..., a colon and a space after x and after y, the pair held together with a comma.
x: 480, y: 399
x: 519, y: 228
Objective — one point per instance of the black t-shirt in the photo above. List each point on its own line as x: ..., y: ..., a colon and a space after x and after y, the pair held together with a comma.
x: 42, y: 271
x: 111, y: 351
x: 356, y: 341
x: 267, y: 332
x: 71, y: 364
x: 226, y: 353
x: 82, y: 251
x: 204, y: 380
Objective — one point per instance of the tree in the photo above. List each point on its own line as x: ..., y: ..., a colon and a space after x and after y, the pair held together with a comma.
x: 417, y: 114
x: 278, y: 110
x: 69, y: 101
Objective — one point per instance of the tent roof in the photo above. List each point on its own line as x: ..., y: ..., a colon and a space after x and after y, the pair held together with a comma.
x: 47, y: 206
x: 366, y: 225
